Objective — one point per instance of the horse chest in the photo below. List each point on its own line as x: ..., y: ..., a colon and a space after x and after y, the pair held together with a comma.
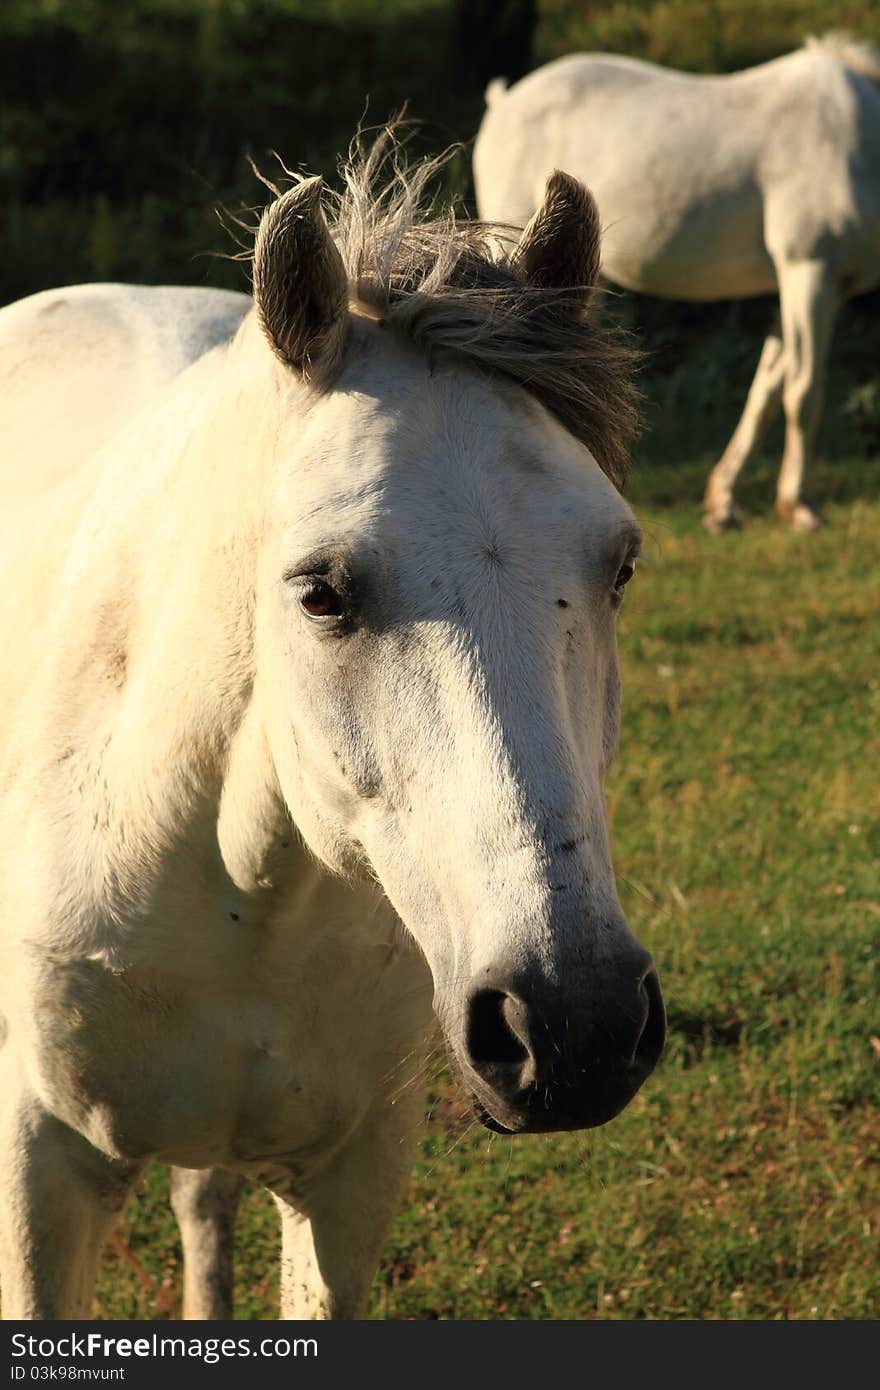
x: 247, y: 1040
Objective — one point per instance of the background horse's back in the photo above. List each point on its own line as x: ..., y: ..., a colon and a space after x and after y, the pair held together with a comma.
x: 716, y: 187
x: 117, y: 346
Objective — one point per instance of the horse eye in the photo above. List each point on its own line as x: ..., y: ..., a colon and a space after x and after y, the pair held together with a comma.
x: 624, y: 575
x: 320, y: 600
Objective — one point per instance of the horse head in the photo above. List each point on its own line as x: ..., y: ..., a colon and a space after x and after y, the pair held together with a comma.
x: 445, y: 555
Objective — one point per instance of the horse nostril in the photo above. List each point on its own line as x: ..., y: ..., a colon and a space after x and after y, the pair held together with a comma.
x: 551, y: 1066
x: 653, y: 1034
x: 493, y: 1031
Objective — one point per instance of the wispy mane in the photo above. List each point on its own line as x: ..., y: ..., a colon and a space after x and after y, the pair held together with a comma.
x: 858, y: 54
x: 454, y: 285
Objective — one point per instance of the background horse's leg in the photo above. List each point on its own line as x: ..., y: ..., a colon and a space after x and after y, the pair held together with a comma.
x: 330, y: 1254
x: 809, y: 305
x: 58, y: 1199
x: 205, y: 1202
x: 762, y: 404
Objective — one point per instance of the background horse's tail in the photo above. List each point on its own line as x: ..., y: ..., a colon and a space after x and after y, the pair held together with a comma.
x: 495, y: 91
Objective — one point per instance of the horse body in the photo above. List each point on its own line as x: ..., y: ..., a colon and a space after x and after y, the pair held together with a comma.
x: 716, y: 187
x: 294, y: 749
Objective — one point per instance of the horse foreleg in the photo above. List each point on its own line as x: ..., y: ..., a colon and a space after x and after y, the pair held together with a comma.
x: 809, y: 305
x: 331, y: 1240
x: 762, y: 404
x: 58, y: 1198
x: 205, y: 1202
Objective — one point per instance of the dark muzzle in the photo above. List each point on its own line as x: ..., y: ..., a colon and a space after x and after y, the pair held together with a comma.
x: 537, y: 1057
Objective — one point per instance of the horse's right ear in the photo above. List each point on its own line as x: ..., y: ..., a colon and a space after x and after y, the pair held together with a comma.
x: 300, y: 284
x: 561, y: 245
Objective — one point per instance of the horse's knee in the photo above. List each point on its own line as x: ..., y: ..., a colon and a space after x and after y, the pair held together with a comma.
x: 800, y: 397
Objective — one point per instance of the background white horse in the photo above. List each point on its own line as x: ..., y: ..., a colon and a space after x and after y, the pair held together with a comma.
x: 310, y: 631
x: 716, y: 188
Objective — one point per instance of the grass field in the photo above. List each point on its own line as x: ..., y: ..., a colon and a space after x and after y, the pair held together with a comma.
x: 743, y: 1181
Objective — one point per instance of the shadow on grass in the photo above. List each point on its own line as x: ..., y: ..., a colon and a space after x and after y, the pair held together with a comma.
x: 700, y: 1031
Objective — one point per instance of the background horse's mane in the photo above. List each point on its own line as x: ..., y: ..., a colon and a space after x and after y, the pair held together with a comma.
x: 858, y: 54
x: 437, y: 281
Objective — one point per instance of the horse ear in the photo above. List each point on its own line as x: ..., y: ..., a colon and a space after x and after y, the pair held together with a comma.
x: 560, y: 247
x: 300, y: 284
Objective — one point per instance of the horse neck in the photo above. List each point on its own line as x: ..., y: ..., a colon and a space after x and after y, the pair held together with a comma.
x: 149, y: 694
x: 187, y: 537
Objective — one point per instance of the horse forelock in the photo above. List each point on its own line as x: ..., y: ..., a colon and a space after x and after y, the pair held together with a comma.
x: 453, y: 284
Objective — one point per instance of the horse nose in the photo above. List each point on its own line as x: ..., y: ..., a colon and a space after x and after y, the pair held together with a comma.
x: 500, y: 1041
x: 540, y: 1064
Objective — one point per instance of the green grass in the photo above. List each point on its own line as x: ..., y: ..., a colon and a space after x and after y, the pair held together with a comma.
x: 743, y: 1180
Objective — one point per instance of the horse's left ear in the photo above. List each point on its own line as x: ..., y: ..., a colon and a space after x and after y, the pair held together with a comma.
x: 300, y: 284
x: 560, y: 248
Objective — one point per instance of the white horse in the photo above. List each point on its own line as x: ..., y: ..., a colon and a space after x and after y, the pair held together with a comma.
x: 713, y: 188
x: 309, y: 692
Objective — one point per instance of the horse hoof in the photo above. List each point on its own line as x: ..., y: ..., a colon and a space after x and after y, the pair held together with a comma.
x: 716, y: 523
x: 800, y: 516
